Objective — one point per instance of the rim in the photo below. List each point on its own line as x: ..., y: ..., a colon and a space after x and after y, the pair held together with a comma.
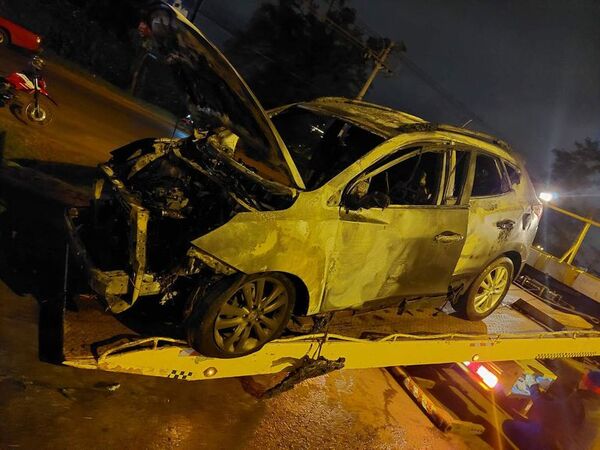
x: 37, y: 114
x: 1, y: 37
x: 251, y: 316
x: 491, y: 289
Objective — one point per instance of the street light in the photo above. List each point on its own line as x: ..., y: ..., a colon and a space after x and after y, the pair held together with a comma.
x: 547, y: 196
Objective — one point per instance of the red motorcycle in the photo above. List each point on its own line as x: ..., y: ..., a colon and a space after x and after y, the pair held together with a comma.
x: 31, y: 83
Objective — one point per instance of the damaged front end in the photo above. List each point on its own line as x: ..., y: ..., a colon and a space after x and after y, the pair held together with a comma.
x: 153, y: 197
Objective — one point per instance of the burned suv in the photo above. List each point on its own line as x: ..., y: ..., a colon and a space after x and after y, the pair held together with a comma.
x: 314, y: 207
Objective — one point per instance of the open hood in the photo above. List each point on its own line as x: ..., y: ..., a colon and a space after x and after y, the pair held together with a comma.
x: 217, y: 94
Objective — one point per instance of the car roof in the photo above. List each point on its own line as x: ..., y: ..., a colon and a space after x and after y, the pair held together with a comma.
x: 376, y: 117
x: 389, y: 122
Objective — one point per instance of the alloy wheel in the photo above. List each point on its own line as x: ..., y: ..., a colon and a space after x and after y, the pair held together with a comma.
x: 491, y: 289
x: 252, y: 315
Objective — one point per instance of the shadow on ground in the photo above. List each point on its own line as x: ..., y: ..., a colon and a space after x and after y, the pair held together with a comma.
x: 31, y: 258
x: 33, y: 252
x: 69, y: 173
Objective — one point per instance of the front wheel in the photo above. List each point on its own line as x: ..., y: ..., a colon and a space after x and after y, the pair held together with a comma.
x: 37, y: 114
x: 487, y: 291
x: 241, y: 314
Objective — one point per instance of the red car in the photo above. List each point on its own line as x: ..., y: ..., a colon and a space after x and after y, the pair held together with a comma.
x: 11, y: 33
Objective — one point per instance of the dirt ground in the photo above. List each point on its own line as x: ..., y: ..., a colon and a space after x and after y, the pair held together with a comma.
x: 46, y: 405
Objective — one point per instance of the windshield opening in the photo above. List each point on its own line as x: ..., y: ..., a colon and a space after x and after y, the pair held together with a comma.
x: 321, y: 145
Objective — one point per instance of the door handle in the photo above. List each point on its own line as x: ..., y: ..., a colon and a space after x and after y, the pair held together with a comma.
x: 448, y: 237
x: 506, y: 224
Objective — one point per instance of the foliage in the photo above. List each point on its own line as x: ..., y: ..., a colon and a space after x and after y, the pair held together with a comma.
x: 577, y: 168
x: 290, y: 53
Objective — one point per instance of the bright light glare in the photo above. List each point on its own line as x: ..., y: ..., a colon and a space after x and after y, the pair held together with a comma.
x: 467, y: 363
x: 546, y: 196
x: 487, y: 377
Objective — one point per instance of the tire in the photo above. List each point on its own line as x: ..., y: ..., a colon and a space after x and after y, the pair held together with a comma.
x: 39, y: 115
x: 227, y: 322
x: 480, y: 301
x: 4, y: 38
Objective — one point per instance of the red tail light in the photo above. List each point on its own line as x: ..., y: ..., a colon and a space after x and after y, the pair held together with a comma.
x: 487, y: 377
x: 483, y: 373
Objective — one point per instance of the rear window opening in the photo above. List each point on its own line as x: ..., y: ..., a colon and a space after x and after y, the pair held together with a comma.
x: 489, y: 177
x: 322, y: 146
x: 514, y: 174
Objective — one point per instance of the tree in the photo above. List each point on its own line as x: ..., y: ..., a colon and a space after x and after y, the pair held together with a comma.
x: 288, y: 53
x: 579, y: 168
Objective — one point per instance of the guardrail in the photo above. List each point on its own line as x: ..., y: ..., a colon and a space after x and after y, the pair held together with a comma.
x: 561, y: 267
x: 569, y: 256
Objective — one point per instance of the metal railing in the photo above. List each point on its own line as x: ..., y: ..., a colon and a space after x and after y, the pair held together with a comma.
x: 569, y: 256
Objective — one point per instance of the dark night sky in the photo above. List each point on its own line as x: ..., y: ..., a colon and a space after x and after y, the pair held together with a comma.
x: 529, y: 68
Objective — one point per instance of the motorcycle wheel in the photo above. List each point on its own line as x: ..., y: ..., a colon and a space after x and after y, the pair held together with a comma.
x: 37, y: 114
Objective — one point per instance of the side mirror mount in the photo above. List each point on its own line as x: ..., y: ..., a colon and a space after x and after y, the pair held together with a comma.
x: 352, y: 201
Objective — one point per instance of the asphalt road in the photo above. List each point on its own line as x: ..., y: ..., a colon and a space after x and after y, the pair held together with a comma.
x: 91, y: 119
x: 46, y: 405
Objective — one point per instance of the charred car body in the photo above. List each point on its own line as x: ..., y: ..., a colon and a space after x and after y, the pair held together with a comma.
x: 314, y: 207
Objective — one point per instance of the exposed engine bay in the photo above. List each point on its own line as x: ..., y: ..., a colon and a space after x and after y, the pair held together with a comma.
x: 189, y: 189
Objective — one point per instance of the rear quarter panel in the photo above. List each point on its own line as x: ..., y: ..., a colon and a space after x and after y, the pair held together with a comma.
x: 485, y: 241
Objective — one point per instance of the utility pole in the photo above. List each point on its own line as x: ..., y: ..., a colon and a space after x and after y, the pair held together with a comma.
x: 379, y: 64
x: 196, y: 9
x: 380, y: 59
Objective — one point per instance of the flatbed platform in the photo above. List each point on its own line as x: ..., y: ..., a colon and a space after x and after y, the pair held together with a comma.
x: 94, y: 339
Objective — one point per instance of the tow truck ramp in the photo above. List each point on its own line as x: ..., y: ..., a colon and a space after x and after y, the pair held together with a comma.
x: 96, y: 340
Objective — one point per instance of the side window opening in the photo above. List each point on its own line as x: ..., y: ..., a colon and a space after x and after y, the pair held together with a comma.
x: 414, y: 181
x: 489, y: 177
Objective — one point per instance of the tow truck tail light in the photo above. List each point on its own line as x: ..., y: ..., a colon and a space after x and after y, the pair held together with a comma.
x: 487, y: 377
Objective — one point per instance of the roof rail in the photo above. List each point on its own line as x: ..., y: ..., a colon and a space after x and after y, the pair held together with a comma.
x: 428, y: 126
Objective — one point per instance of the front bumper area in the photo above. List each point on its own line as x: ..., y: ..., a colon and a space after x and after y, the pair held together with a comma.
x: 119, y: 288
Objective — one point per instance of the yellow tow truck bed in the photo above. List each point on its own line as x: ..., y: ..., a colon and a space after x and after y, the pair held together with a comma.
x: 94, y: 339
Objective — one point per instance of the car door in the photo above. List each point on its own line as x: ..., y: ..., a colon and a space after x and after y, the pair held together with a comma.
x: 395, y: 238
x: 494, y: 215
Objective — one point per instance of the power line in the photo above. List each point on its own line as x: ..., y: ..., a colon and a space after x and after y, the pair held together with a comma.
x: 418, y: 71
x: 445, y: 94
